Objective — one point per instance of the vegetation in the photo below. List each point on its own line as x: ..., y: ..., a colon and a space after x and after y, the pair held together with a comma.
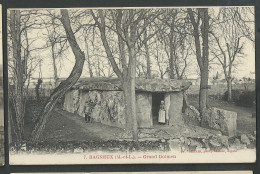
x: 127, y: 44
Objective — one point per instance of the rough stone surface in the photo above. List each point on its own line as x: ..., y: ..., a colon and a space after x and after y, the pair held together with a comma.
x: 108, y: 107
x: 144, y: 109
x: 71, y: 101
x: 175, y: 110
x: 245, y: 139
x: 101, y: 100
x: 237, y: 145
x: 82, y: 102
x: 147, y: 85
x: 167, y: 100
x: 192, y: 115
x: 224, y: 141
x: 175, y: 145
x: 223, y: 120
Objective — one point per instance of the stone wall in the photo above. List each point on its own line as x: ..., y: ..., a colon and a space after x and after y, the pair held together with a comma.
x: 107, y: 107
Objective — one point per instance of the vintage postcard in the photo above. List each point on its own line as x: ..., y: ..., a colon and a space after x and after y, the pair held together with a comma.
x: 132, y: 85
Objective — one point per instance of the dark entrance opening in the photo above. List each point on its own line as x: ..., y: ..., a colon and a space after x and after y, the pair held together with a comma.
x: 156, y: 101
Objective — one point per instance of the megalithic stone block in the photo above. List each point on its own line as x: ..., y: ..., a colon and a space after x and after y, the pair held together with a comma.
x: 175, y: 110
x: 223, y: 120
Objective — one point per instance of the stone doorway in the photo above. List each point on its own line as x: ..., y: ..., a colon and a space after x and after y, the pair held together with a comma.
x: 157, y: 97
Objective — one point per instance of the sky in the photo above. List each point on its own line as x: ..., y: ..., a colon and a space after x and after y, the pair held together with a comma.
x: 243, y: 70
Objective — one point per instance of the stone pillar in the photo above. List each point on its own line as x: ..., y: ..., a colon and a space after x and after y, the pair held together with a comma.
x: 69, y: 101
x: 144, y: 109
x: 175, y: 110
x: 167, y: 101
x: 83, y: 98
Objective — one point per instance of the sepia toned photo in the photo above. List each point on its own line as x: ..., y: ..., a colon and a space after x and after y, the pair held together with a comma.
x: 131, y: 85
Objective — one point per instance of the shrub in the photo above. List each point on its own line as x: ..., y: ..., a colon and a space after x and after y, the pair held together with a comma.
x: 235, y: 95
x: 247, y: 99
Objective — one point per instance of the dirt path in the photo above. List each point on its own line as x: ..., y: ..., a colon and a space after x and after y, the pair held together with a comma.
x: 64, y: 126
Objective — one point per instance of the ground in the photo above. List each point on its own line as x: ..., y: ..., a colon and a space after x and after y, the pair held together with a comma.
x: 245, y: 123
x: 65, y: 126
x: 65, y: 129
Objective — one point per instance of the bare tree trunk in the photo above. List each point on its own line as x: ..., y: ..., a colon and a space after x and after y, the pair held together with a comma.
x: 229, y: 87
x: 88, y: 59
x: 131, y: 75
x: 202, y: 58
x: 171, y: 61
x: 55, y: 73
x: 65, y: 85
x: 205, y: 61
x: 148, y: 59
x: 203, y: 93
x: 18, y: 100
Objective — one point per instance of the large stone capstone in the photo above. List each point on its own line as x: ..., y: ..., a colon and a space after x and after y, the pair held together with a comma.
x: 141, y: 85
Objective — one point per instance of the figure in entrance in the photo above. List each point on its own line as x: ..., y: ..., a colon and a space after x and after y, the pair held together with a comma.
x: 162, y: 113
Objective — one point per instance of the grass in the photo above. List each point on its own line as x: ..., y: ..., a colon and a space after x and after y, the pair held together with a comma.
x: 245, y: 123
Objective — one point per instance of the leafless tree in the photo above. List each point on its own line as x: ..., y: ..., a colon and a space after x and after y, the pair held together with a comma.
x: 176, y: 41
x: 199, y: 19
x: 21, y: 64
x: 128, y: 26
x: 64, y: 86
x: 229, y: 35
x: 18, y: 103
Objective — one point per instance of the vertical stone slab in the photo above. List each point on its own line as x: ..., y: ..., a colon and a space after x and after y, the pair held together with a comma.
x: 112, y: 109
x: 76, y: 98
x: 93, y: 107
x: 175, y: 110
x: 223, y: 120
x: 83, y: 98
x: 144, y: 109
x: 167, y: 100
x: 69, y: 101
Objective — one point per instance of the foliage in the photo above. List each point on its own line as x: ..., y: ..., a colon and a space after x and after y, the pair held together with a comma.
x: 241, y: 97
x: 235, y: 95
x: 247, y: 99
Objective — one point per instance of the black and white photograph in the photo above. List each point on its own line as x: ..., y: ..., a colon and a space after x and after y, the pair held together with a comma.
x: 131, y: 85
